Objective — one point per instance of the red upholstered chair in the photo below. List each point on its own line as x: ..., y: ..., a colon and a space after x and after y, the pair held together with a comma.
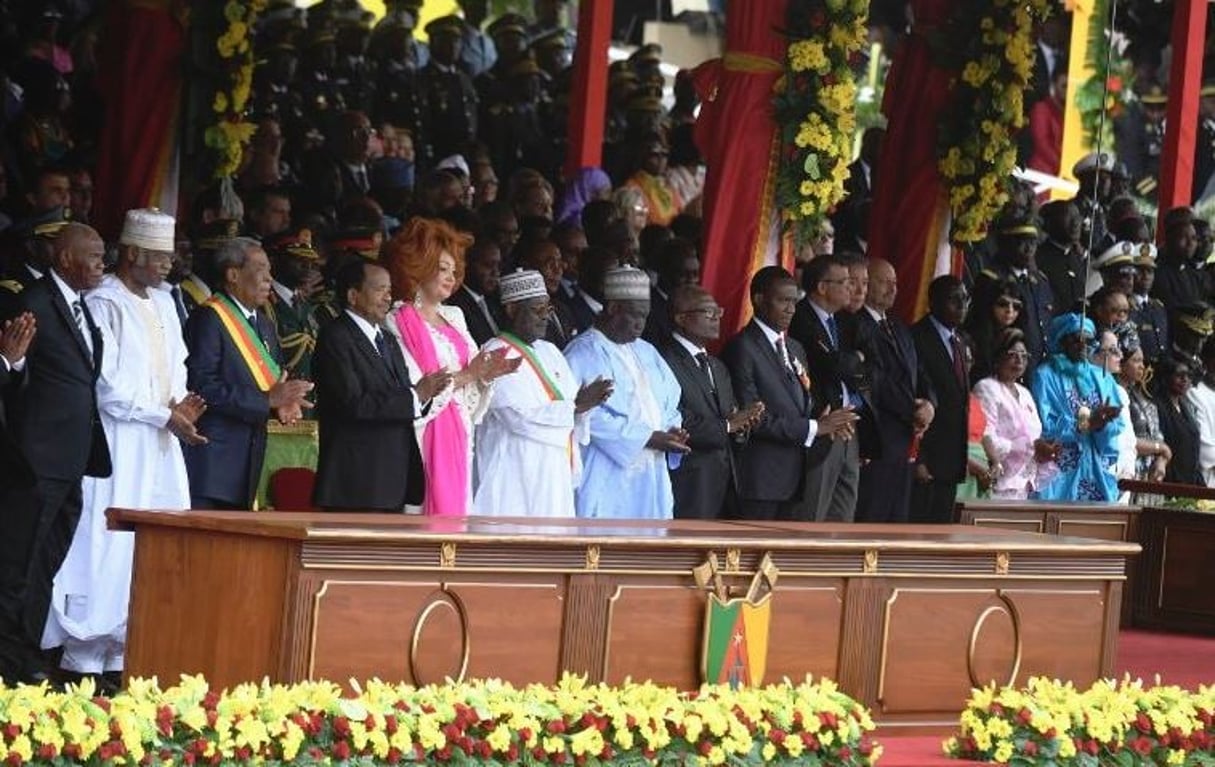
x: 291, y: 489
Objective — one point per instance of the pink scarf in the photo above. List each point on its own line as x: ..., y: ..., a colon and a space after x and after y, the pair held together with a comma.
x: 444, y: 440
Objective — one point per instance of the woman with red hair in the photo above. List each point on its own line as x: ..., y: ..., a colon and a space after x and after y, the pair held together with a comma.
x: 426, y: 261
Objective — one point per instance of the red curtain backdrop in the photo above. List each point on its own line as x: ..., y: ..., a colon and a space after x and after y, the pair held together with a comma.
x: 140, y: 79
x: 907, y: 214
x: 736, y: 133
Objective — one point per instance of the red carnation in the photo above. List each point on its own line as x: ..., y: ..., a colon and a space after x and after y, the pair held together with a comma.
x: 777, y: 736
x: 394, y: 755
x: 341, y: 750
x: 555, y: 727
x: 818, y: 20
x: 46, y: 751
x: 1141, y: 745
x: 704, y: 748
x: 1030, y: 748
x: 1142, y: 722
x: 845, y: 752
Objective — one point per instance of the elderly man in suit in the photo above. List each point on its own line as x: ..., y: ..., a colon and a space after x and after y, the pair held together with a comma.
x: 767, y: 366
x: 235, y: 365
x: 902, y: 409
x: 941, y: 461
x: 369, y: 457
x: 57, y: 430
x: 706, y: 482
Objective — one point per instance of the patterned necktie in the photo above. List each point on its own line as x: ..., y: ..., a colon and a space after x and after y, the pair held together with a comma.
x: 82, y: 325
x: 959, y: 361
x: 783, y: 353
x: 833, y: 331
x: 702, y: 360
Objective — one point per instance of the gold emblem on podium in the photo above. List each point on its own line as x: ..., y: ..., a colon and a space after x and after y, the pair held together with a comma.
x: 735, y: 644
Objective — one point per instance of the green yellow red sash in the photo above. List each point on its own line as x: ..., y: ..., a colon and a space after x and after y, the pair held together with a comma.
x: 550, y: 386
x: 262, y: 366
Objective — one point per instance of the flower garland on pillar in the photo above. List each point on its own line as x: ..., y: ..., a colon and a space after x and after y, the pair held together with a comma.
x: 815, y: 109
x: 978, y: 148
x: 1108, y: 88
x: 231, y: 132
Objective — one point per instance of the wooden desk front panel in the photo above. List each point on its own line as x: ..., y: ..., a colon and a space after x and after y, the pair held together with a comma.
x: 1174, y: 591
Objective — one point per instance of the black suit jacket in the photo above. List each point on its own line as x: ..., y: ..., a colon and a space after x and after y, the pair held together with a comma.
x: 773, y: 466
x: 53, y: 402
x: 829, y: 367
x: 15, y: 471
x: 478, y: 327
x: 705, y: 475
x: 943, y: 447
x: 369, y: 455
x: 658, y: 325
x: 229, y: 465
x: 571, y: 297
x: 898, y: 380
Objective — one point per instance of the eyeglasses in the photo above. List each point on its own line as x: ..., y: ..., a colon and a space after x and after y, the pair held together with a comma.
x: 543, y: 311
x: 843, y: 281
x: 715, y: 313
x: 1110, y: 351
x: 1009, y: 303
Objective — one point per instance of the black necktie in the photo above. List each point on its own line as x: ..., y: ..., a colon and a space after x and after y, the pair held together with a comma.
x: 833, y: 331
x: 702, y: 360
x: 959, y: 361
x: 381, y: 345
x: 179, y: 304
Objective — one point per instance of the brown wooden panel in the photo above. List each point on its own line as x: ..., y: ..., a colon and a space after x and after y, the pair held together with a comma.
x: 804, y: 636
x: 1025, y: 524
x: 654, y: 632
x: 423, y: 632
x: 1060, y: 627
x: 1185, y: 579
x: 205, y: 602
x: 1100, y: 529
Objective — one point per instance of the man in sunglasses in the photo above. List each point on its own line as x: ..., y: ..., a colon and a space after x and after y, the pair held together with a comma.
x: 1016, y: 244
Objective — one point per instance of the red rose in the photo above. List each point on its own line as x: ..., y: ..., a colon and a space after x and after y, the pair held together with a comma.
x: 1030, y: 748
x: 341, y: 750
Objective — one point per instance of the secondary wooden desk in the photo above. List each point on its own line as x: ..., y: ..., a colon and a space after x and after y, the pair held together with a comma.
x: 906, y: 618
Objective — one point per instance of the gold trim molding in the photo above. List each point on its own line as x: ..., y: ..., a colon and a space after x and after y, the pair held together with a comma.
x: 592, y: 557
x: 870, y: 565
x: 447, y: 555
x: 733, y: 560
x: 1002, y: 562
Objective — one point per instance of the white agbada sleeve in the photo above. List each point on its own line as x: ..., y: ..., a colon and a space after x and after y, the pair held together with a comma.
x: 514, y: 403
x: 121, y: 386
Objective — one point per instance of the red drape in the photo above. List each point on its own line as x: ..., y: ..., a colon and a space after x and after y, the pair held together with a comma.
x: 735, y: 132
x: 140, y: 80
x: 905, y: 218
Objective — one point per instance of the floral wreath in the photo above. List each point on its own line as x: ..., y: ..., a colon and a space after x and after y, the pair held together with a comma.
x: 977, y: 148
x: 1108, y: 89
x: 816, y: 109
x: 231, y: 132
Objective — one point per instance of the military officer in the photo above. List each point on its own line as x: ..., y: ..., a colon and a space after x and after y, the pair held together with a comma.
x: 1016, y: 243
x: 450, y: 99
x: 295, y: 268
x: 399, y: 98
x: 1149, y: 314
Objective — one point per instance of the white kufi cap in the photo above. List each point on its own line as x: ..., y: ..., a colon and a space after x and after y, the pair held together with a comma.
x: 521, y: 285
x: 626, y: 283
x: 150, y: 229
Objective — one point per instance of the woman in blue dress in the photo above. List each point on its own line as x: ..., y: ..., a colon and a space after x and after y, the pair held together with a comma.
x: 1078, y: 403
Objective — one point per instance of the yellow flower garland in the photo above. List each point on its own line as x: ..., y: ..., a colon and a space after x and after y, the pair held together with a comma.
x: 231, y: 132
x: 816, y: 109
x: 488, y: 722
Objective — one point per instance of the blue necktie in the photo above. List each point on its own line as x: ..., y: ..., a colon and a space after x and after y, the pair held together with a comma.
x: 831, y: 332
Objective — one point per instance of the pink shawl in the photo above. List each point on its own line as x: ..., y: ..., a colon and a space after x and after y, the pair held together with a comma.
x: 444, y: 440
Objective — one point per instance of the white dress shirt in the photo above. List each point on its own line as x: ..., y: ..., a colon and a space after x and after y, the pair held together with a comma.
x: 773, y: 337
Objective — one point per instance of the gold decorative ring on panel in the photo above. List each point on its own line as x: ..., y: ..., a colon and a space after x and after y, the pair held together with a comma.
x: 440, y: 605
x: 1005, y: 608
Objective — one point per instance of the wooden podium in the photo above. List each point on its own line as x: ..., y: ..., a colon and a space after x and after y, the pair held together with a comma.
x: 906, y: 618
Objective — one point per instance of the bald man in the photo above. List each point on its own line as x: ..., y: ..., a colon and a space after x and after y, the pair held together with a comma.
x: 901, y: 404
x: 58, y: 430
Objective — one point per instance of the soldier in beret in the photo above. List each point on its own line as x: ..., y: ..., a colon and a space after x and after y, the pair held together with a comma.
x: 200, y: 278
x: 451, y: 100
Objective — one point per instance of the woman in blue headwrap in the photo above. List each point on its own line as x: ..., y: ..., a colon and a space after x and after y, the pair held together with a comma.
x: 1078, y: 403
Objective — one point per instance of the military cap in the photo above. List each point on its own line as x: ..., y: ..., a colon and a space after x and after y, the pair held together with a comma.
x: 284, y: 13
x: 1018, y: 228
x: 1178, y: 216
x: 650, y: 53
x: 1154, y: 95
x: 1146, y: 255
x: 1092, y: 162
x: 1197, y: 317
x: 445, y: 25
x: 553, y: 38
x: 46, y: 225
x: 212, y: 236
x: 1119, y: 254
x: 507, y: 23
x: 1208, y: 88
x: 364, y: 241
x: 296, y: 243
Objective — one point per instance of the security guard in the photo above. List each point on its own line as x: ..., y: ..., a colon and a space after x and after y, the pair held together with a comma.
x: 1016, y: 243
x: 31, y: 249
x: 1148, y: 314
x: 451, y: 100
x: 295, y: 266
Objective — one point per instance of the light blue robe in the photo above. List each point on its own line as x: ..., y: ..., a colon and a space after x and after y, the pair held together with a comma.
x: 1085, y: 466
x: 621, y: 478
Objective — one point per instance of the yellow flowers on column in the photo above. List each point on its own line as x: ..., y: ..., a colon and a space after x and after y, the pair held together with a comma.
x: 228, y: 136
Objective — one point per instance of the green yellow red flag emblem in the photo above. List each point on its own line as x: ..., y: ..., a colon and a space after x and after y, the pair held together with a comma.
x: 735, y: 650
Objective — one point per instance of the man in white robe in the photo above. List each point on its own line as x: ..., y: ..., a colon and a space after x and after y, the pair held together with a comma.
x: 145, y: 411
x: 635, y: 434
x: 1202, y: 397
x: 528, y: 443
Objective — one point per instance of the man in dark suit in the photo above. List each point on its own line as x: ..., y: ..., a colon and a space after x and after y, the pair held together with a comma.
x: 676, y: 264
x: 1016, y: 244
x: 768, y: 367
x: 478, y: 296
x: 835, y: 368
x: 941, y: 464
x: 53, y: 403
x: 369, y: 459
x: 901, y: 404
x: 241, y: 392
x: 706, y: 482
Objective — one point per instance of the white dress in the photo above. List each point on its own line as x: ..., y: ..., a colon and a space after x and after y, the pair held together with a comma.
x: 143, y: 368
x: 528, y: 443
x: 1202, y: 397
x: 469, y: 400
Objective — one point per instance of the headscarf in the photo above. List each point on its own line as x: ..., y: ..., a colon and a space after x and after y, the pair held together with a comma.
x: 1081, y: 372
x: 579, y: 191
x: 1066, y: 325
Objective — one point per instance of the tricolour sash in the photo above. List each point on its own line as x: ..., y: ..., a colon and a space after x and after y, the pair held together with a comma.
x: 550, y: 386
x: 262, y: 366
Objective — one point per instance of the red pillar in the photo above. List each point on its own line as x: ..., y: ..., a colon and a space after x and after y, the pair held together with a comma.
x: 588, y: 102
x: 1185, y: 80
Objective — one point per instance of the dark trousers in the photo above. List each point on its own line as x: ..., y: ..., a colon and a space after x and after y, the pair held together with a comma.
x: 831, y: 484
x: 885, y: 491
x: 214, y: 504
x: 933, y: 502
x: 19, y: 511
x: 59, y: 514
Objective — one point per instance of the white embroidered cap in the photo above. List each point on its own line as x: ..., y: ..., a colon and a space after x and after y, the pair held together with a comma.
x: 150, y: 229
x: 626, y: 283
x: 521, y: 285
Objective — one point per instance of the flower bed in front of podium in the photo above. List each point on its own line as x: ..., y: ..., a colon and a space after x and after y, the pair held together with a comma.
x: 478, y: 723
x: 1052, y: 722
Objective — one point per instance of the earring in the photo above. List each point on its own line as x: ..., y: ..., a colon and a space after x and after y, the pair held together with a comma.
x: 417, y: 299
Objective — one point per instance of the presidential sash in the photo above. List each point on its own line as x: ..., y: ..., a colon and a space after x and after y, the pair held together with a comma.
x: 550, y: 386
x: 262, y: 366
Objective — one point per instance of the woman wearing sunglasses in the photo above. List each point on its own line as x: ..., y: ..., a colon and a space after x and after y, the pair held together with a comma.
x: 996, y: 308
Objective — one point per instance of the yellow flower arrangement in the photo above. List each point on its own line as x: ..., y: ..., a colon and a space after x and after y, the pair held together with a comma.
x: 228, y: 136
x: 977, y: 152
x: 1109, y: 723
x: 488, y: 722
x: 816, y: 109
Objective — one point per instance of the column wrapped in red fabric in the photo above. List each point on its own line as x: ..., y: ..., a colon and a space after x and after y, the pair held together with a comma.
x: 908, y: 220
x: 737, y: 136
x: 140, y: 80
